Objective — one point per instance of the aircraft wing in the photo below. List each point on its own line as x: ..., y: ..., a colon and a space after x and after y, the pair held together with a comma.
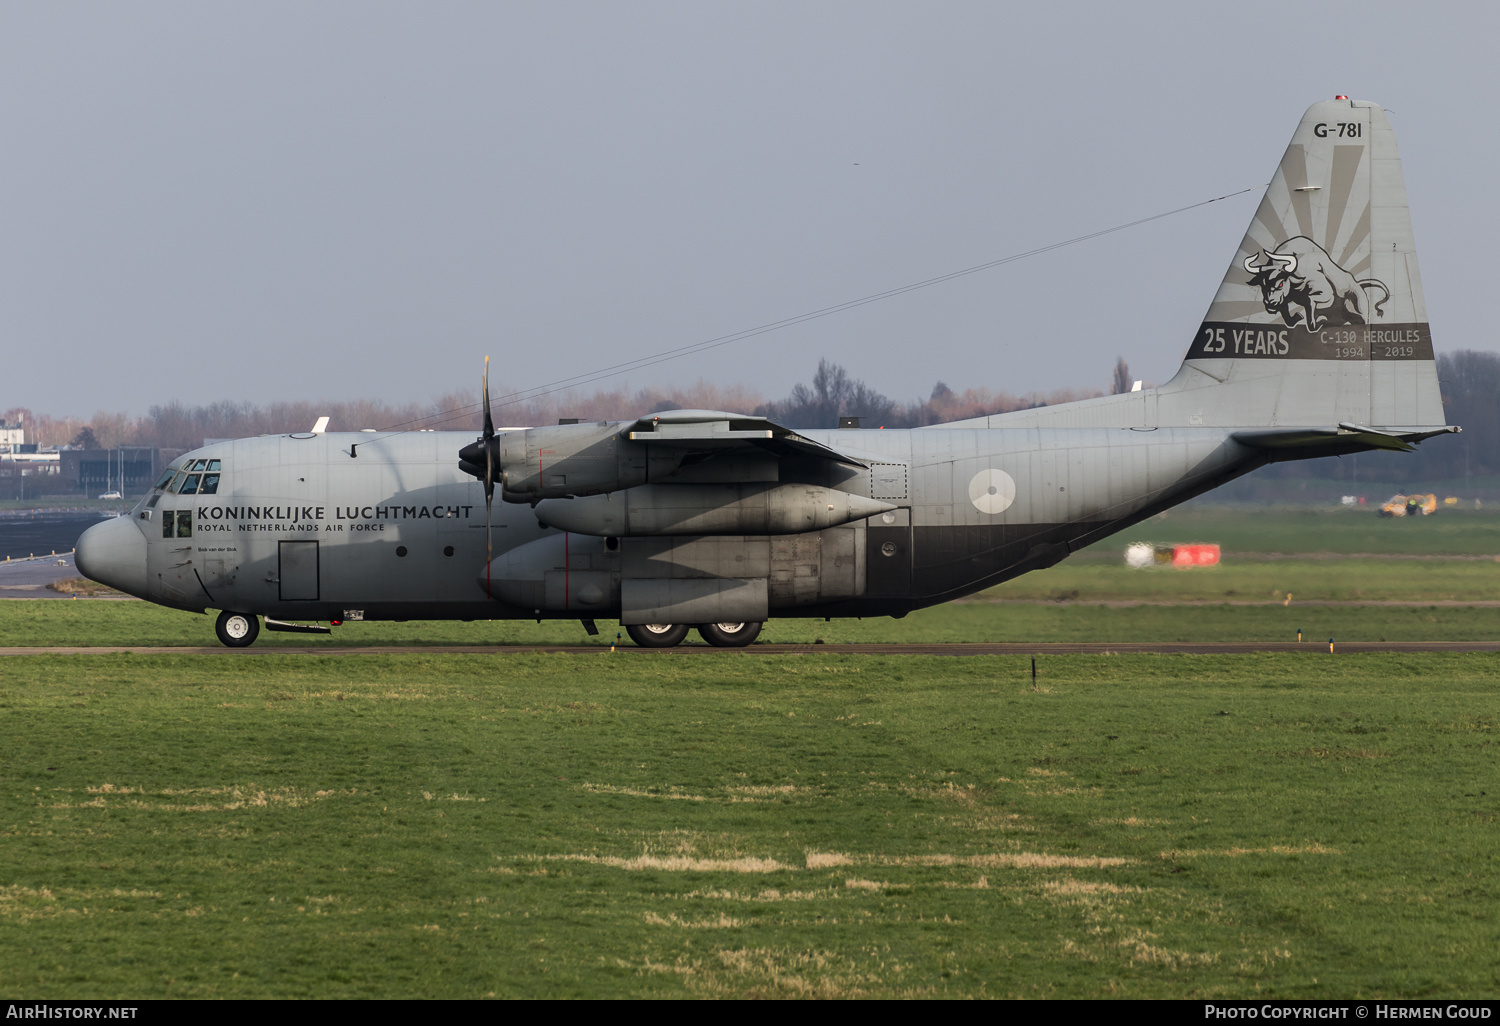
x: 1344, y: 438
x: 712, y: 430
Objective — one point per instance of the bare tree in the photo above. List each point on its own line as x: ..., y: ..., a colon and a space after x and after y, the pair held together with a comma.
x: 1121, y: 381
x: 833, y: 394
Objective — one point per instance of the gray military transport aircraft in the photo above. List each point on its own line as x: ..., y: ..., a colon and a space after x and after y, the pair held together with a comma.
x: 1316, y: 344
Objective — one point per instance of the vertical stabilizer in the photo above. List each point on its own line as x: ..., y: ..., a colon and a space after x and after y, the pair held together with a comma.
x: 1320, y: 318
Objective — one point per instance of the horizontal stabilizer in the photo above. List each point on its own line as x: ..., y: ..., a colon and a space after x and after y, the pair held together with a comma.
x: 1344, y: 438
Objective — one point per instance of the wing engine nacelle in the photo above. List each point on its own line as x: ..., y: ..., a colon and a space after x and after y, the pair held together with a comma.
x: 566, y: 460
x: 570, y: 460
x: 708, y: 509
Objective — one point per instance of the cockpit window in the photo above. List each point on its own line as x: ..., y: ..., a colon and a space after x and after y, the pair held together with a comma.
x: 188, y: 479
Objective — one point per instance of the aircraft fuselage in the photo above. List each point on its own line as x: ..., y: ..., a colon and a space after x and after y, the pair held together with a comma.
x: 1317, y: 343
x: 297, y: 528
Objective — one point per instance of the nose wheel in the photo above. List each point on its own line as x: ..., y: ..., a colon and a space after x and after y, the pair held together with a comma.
x: 237, y: 630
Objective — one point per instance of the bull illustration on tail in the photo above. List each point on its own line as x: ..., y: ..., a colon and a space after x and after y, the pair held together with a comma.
x: 1304, y: 285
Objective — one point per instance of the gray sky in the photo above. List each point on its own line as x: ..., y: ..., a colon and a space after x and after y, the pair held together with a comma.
x: 340, y: 200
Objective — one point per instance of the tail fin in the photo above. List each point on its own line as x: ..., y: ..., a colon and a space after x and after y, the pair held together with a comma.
x: 1320, y: 319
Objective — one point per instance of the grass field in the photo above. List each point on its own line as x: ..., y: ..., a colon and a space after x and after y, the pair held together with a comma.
x: 1342, y: 530
x: 1418, y: 579
x: 92, y: 622
x: 735, y: 824
x: 738, y: 825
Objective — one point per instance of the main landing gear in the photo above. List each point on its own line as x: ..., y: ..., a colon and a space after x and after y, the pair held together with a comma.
x: 237, y: 630
x: 657, y: 635
x: 729, y: 635
x: 670, y: 635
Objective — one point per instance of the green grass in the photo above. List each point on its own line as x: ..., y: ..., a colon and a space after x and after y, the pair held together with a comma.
x: 738, y: 825
x: 1334, y: 529
x: 1310, y: 580
x: 49, y: 623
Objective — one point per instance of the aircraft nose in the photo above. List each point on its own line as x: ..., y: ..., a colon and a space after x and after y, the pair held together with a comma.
x: 114, y: 553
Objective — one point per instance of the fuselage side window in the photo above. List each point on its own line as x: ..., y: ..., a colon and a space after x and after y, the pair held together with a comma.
x: 177, y: 524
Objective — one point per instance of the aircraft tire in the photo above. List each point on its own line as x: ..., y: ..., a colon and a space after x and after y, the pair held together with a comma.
x: 657, y: 635
x: 237, y: 630
x: 729, y: 635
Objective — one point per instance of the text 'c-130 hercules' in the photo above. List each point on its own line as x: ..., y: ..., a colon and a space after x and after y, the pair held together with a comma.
x: 1316, y: 344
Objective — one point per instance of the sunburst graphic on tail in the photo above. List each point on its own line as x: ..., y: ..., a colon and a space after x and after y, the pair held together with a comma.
x: 1327, y: 269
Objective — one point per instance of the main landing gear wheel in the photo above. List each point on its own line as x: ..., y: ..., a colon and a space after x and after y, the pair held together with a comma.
x: 657, y: 635
x: 729, y: 635
x: 237, y: 630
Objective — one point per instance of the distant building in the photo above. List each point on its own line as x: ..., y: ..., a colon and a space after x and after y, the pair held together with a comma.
x: 30, y: 472
x: 11, y: 436
x: 128, y: 469
x: 26, y: 472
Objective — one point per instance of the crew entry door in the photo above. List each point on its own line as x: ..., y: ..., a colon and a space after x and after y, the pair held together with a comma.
x: 888, y: 536
x: 299, y: 571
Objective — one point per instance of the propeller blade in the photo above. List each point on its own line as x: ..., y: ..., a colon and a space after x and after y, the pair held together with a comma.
x: 489, y: 471
x: 489, y: 423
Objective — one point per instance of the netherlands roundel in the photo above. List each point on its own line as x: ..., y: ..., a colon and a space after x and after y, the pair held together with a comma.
x: 992, y: 491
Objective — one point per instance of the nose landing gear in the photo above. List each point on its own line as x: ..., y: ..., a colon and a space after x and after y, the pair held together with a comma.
x: 237, y: 630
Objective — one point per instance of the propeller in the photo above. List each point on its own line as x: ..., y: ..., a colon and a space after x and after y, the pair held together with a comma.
x: 488, y: 438
x: 484, y: 466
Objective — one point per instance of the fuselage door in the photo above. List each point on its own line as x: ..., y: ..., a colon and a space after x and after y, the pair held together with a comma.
x: 169, y: 558
x: 888, y: 555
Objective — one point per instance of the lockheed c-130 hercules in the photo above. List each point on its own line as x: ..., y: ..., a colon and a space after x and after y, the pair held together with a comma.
x: 1317, y: 344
